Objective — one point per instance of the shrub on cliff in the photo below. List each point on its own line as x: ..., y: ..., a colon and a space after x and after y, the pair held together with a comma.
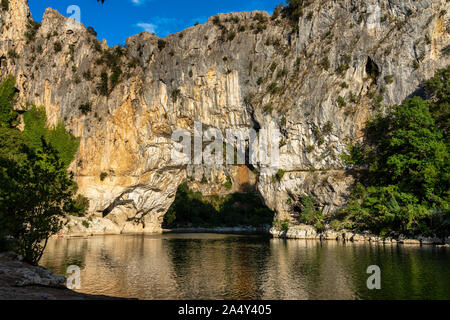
x: 309, y: 210
x: 279, y: 175
x: 5, y: 4
x: 228, y: 184
x: 7, y: 94
x: 32, y: 30
x: 103, y: 84
x: 112, y: 58
x: 294, y: 10
x: 438, y: 88
x: 85, y: 108
x: 92, y: 31
x: 175, y: 95
x: 161, y: 44
x: 57, y: 46
x: 80, y: 206
x: 282, y: 225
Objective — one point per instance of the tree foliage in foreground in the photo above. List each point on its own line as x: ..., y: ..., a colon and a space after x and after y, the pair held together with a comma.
x: 34, y: 195
x: 35, y: 190
x: 407, y: 189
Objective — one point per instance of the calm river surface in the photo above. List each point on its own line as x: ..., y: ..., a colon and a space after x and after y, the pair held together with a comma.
x: 218, y: 266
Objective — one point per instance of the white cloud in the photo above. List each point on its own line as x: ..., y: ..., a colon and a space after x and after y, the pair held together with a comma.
x: 139, y: 2
x: 146, y: 26
x: 160, y: 25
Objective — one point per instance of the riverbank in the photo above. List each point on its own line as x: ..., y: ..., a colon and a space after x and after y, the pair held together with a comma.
x: 237, y: 229
x: 82, y: 227
x: 75, y: 227
x: 22, y: 281
x: 306, y: 232
x: 205, y: 266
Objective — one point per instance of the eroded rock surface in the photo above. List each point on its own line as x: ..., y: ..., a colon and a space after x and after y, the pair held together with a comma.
x: 243, y: 70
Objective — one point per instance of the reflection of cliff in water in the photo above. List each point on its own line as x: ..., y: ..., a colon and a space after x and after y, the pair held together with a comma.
x: 210, y: 266
x: 220, y: 267
x: 123, y: 266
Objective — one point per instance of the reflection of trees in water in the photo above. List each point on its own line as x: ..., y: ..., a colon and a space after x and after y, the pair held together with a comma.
x: 68, y: 253
x: 285, y: 274
x: 407, y: 272
x: 248, y: 260
x: 302, y: 269
x: 330, y: 270
x: 123, y: 266
x: 228, y: 267
x: 224, y: 266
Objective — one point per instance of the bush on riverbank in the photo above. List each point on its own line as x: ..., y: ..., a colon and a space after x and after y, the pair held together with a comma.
x: 36, y: 189
x: 192, y: 209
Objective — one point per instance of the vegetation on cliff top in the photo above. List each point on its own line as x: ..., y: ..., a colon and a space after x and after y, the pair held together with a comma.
x: 35, y: 128
x: 36, y: 189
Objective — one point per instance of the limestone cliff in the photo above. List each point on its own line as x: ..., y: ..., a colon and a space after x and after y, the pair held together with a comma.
x: 318, y: 85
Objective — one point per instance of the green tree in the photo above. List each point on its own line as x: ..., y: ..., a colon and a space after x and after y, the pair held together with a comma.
x: 11, y: 145
x: 7, y: 94
x: 35, y: 189
x: 294, y: 9
x: 65, y: 143
x: 310, y: 213
x: 34, y: 196
x: 438, y: 88
x: 407, y: 188
x: 410, y: 151
x: 387, y: 210
x: 35, y: 128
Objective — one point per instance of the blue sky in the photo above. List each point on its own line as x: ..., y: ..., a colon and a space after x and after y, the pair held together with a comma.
x: 117, y: 20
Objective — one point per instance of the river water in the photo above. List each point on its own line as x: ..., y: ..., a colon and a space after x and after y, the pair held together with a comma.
x: 219, y: 266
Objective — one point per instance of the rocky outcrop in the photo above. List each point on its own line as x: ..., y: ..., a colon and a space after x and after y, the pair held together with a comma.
x: 318, y: 86
x: 21, y: 281
x: 77, y: 226
x: 306, y: 232
x: 20, y: 274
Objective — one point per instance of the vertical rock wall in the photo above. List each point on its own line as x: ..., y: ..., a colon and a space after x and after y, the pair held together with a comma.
x: 240, y: 70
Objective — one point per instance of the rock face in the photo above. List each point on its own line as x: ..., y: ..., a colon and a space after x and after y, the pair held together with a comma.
x: 239, y: 70
x: 20, y: 274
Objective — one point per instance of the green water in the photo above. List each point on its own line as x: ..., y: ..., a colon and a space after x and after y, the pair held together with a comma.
x: 216, y: 266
